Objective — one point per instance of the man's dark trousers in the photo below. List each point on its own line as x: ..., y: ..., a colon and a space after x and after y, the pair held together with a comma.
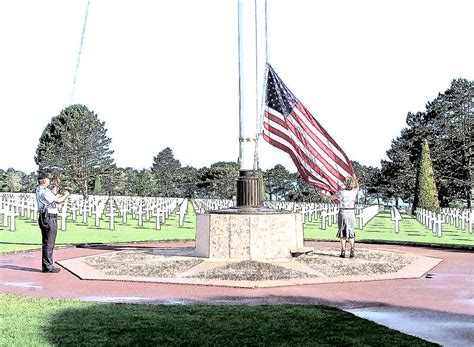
x: 48, y: 225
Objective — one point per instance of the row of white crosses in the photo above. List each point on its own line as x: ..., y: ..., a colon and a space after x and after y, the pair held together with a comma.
x: 462, y: 219
x: 143, y: 209
x: 431, y: 220
x: 76, y: 205
x: 8, y: 212
x: 202, y: 206
x: 205, y: 205
x: 310, y: 211
x: 121, y: 207
x: 367, y: 213
x: 328, y: 213
x: 13, y: 205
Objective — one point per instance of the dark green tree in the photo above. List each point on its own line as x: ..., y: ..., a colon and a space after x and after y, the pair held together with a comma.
x: 97, y: 186
x: 13, y: 180
x: 130, y: 177
x: 302, y: 191
x: 447, y: 125
x: 3, y: 181
x: 187, y: 182
x: 75, y: 145
x: 219, y: 180
x: 166, y: 170
x: 145, y: 183
x: 398, y: 174
x: 29, y: 183
x: 426, y: 195
x: 113, y: 181
x: 126, y: 181
x: 450, y: 129
x: 278, y: 182
x: 368, y: 181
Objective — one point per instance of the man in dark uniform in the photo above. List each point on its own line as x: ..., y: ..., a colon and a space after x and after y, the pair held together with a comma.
x: 47, y: 221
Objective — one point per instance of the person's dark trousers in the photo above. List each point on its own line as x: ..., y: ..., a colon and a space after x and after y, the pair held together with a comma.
x: 48, y: 225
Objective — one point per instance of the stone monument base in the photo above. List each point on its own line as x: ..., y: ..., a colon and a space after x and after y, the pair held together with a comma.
x: 248, y: 234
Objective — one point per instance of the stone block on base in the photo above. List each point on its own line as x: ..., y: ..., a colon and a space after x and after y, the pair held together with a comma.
x: 237, y: 235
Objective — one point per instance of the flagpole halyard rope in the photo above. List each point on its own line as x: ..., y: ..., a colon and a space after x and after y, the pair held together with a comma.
x: 261, y: 111
x: 239, y: 161
x: 255, y: 155
x: 80, y: 51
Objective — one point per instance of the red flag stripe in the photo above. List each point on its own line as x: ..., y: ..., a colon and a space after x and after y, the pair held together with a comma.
x: 319, y: 149
x: 304, y: 144
x: 300, y: 168
x: 323, y: 131
x: 315, y: 171
x: 326, y: 167
x: 317, y: 133
x: 278, y: 118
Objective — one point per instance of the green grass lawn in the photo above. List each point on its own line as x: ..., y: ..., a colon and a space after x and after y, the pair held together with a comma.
x: 27, y: 321
x: 381, y: 229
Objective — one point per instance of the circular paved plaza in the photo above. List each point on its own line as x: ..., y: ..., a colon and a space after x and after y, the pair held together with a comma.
x: 435, y: 302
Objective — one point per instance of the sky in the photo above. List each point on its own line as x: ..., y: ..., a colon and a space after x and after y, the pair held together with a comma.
x: 165, y: 73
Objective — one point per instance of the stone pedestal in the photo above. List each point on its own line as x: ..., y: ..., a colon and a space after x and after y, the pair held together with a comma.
x: 246, y: 234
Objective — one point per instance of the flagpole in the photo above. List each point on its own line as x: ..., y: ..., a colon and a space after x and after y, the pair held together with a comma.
x: 252, y: 63
x: 250, y: 230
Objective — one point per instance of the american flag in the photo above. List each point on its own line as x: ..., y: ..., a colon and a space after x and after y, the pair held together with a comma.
x: 289, y: 126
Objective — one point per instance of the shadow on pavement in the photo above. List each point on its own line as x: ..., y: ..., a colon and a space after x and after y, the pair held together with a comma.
x: 21, y: 243
x: 122, y: 247
x: 112, y: 247
x: 19, y: 268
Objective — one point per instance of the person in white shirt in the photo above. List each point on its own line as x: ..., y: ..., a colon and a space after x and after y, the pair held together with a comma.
x: 47, y: 220
x: 346, y: 199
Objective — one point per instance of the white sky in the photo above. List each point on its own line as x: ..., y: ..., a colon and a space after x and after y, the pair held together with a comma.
x: 165, y: 73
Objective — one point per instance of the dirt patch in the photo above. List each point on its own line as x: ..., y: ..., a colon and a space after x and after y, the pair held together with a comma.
x: 365, y: 262
x: 140, y: 263
x: 252, y: 271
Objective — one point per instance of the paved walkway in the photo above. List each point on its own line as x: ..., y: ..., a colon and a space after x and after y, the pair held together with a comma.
x: 438, y: 306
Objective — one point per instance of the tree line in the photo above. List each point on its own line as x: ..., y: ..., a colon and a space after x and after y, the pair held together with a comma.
x: 75, y: 146
x: 446, y: 125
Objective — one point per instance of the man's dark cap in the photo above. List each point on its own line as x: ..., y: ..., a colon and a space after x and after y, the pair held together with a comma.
x: 44, y: 175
